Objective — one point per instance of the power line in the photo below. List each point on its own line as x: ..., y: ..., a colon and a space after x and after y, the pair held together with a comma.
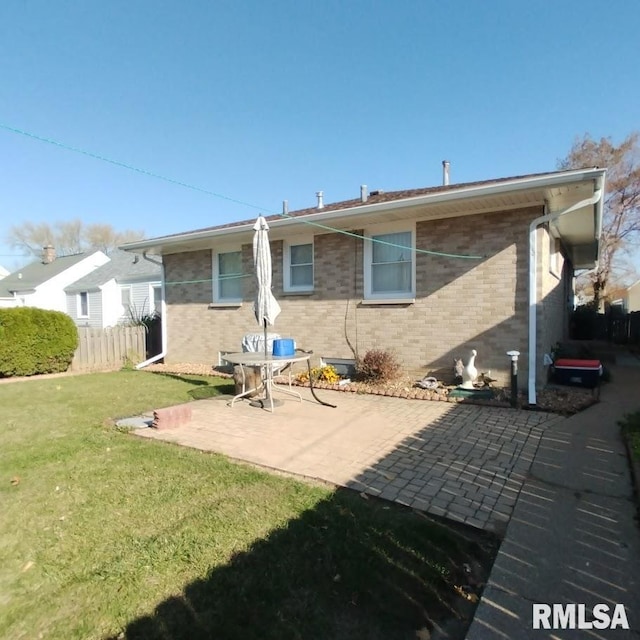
x: 384, y: 242
x: 124, y: 165
x: 152, y: 174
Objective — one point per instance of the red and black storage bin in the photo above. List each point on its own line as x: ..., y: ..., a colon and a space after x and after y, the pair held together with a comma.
x: 580, y: 373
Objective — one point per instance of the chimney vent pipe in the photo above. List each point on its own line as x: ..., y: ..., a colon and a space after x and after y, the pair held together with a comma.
x: 364, y: 194
x: 285, y: 207
x: 319, y: 195
x: 445, y: 172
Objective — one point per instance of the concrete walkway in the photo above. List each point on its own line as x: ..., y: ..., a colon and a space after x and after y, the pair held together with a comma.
x: 573, y: 537
x: 464, y: 462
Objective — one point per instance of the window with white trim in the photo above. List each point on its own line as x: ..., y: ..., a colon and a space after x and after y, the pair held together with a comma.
x: 126, y: 300
x: 156, y: 298
x: 83, y: 304
x: 389, y: 264
x: 298, y: 266
x: 227, y: 276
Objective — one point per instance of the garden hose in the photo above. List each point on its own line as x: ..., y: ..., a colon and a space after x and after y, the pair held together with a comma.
x: 313, y: 391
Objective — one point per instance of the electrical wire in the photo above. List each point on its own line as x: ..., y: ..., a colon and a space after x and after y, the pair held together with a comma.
x: 124, y: 165
x: 186, y: 185
x: 384, y: 242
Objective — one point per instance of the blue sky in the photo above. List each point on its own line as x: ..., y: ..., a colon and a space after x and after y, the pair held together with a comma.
x: 266, y: 101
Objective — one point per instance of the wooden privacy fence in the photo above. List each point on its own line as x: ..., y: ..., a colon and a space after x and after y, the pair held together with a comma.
x: 104, y: 349
x: 622, y: 328
x: 614, y: 325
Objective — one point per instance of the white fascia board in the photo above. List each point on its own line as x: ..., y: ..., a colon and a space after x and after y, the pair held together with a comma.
x: 475, y: 191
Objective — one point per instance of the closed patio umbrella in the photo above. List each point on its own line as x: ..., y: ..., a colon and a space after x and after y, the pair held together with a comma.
x: 266, y: 306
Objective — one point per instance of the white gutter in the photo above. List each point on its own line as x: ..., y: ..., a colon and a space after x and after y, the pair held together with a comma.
x: 436, y: 197
x: 163, y: 319
x: 533, y: 275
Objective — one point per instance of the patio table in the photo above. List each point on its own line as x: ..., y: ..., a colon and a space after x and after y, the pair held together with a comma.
x: 267, y: 364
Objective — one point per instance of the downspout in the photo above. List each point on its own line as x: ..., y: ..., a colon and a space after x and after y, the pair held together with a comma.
x: 163, y: 313
x: 533, y: 279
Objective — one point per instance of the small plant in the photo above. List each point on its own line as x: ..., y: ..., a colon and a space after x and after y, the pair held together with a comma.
x: 129, y: 361
x: 141, y: 318
x: 322, y: 374
x: 631, y: 430
x: 377, y: 365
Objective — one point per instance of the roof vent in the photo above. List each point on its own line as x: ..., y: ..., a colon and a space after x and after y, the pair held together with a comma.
x: 379, y: 192
x: 445, y: 172
x: 364, y: 194
x: 319, y: 195
x: 285, y: 207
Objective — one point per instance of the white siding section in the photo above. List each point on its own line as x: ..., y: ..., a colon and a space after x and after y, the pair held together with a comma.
x: 141, y: 299
x: 105, y: 304
x: 72, y: 307
x: 8, y: 302
x: 95, y: 309
x: 633, y: 297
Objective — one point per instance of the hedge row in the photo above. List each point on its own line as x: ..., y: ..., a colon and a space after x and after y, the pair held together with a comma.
x: 35, y: 341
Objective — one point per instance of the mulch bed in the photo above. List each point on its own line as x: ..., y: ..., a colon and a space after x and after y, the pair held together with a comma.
x: 555, y: 399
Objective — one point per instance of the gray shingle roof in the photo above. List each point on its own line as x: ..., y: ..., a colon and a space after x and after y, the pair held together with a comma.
x: 121, y: 266
x: 37, y: 273
x: 374, y: 197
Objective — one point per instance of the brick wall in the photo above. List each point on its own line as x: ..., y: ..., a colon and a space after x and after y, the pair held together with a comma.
x: 460, y: 304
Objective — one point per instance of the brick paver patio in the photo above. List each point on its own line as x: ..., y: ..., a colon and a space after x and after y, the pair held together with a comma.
x: 461, y: 461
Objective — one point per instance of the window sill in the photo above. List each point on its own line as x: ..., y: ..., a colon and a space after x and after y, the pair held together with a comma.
x: 308, y: 292
x: 378, y: 301
x: 225, y: 305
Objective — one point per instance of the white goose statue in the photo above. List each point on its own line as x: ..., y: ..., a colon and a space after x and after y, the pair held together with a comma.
x: 469, y: 373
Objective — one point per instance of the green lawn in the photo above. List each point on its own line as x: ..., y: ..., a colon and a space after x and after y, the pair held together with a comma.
x: 106, y: 535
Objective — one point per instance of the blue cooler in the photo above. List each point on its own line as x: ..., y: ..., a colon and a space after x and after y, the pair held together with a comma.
x: 284, y: 347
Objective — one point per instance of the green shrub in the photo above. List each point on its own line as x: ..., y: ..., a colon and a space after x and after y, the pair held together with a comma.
x: 35, y: 341
x: 377, y: 365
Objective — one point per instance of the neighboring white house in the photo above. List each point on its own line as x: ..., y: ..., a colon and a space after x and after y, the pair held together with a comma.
x: 42, y: 283
x: 632, y: 297
x: 127, y: 287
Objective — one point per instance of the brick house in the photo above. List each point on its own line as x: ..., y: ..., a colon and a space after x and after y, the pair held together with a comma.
x: 429, y: 273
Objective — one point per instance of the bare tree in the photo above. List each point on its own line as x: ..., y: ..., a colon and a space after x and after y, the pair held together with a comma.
x: 68, y: 237
x: 31, y: 237
x: 105, y: 237
x: 621, y: 218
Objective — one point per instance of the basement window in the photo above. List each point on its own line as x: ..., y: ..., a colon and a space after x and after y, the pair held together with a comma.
x: 345, y: 367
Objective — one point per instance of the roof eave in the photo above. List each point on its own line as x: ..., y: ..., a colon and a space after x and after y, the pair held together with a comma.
x: 462, y: 193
